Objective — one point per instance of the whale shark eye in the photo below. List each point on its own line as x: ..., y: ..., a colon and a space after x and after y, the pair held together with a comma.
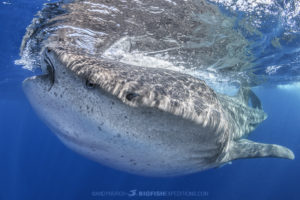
x: 131, y: 95
x: 89, y: 85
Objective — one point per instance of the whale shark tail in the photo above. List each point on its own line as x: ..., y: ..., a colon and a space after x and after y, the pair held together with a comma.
x: 244, y: 148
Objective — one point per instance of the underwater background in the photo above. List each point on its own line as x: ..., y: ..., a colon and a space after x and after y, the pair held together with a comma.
x: 34, y: 164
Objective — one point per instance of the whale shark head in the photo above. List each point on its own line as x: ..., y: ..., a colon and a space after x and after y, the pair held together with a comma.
x: 105, y: 109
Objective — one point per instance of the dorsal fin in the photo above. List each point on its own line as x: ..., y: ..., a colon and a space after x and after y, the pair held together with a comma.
x: 245, y: 94
x: 244, y: 148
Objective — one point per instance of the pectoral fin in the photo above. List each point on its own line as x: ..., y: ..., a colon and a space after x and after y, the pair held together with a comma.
x: 244, y: 148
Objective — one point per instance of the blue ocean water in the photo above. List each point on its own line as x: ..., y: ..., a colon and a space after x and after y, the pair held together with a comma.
x: 36, y: 165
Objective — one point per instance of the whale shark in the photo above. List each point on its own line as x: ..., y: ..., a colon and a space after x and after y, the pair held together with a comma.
x: 109, y: 91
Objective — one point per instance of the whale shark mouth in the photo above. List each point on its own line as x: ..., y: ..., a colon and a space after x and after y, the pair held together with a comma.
x: 46, y: 71
x: 50, y: 70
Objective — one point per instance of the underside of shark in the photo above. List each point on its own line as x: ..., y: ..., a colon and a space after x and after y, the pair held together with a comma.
x: 113, y: 88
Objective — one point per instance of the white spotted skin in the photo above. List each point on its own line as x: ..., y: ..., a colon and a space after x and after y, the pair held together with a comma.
x: 140, y: 140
